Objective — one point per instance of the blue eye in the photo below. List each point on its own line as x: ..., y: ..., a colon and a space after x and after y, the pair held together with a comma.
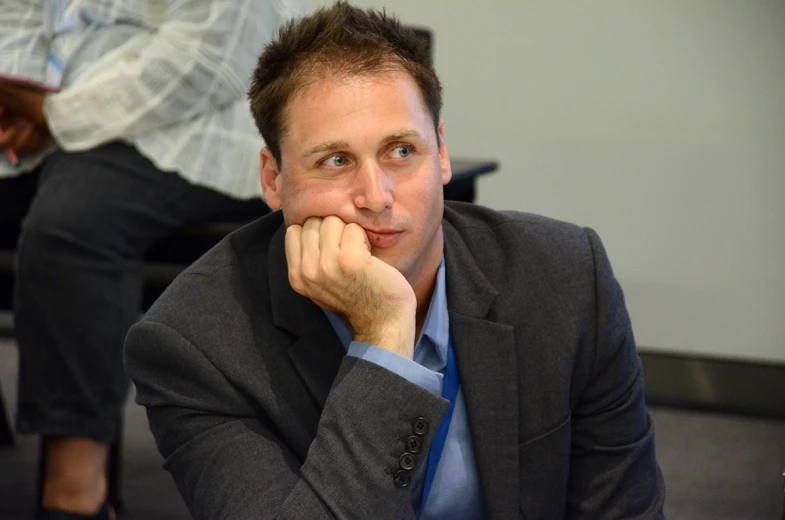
x: 402, y: 151
x: 335, y: 160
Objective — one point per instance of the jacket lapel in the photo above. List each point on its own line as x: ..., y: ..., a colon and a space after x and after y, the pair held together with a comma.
x: 488, y: 368
x: 317, y: 352
x: 484, y: 351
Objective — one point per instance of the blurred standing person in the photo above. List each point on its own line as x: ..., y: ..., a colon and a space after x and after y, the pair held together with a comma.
x: 121, y: 121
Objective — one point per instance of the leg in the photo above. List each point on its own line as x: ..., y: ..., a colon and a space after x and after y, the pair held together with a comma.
x: 15, y: 196
x: 16, y: 193
x: 79, y: 287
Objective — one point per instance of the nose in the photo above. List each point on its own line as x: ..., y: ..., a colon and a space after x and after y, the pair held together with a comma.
x: 373, y: 187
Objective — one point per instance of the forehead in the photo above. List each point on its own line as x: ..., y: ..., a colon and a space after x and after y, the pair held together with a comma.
x: 331, y: 104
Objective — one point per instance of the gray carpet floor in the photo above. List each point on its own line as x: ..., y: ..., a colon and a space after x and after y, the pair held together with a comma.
x: 718, y: 467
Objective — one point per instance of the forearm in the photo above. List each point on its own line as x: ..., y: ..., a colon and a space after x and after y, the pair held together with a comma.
x: 213, y: 437
x: 350, y: 466
x: 402, y: 366
x: 354, y: 459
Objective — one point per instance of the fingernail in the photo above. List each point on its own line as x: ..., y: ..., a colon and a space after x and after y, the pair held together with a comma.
x: 12, y: 157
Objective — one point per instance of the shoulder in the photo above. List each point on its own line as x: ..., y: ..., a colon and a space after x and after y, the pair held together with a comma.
x: 537, y: 266
x: 219, y: 285
x: 493, y: 235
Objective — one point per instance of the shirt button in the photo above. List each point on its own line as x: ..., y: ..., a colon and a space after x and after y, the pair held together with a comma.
x: 420, y: 426
x: 407, y: 461
x: 402, y: 479
x: 413, y: 444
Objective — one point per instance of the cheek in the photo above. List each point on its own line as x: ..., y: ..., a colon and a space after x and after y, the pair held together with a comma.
x: 429, y: 209
x: 301, y: 201
x: 425, y: 198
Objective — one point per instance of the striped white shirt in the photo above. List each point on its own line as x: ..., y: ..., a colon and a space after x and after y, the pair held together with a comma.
x: 167, y: 76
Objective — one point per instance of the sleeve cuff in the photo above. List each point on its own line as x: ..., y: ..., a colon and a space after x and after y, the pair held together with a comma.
x: 67, y: 128
x: 406, y: 368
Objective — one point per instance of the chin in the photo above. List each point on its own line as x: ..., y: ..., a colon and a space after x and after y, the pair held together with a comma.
x: 390, y: 258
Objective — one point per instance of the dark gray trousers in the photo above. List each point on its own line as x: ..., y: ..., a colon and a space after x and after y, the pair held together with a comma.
x: 87, y: 220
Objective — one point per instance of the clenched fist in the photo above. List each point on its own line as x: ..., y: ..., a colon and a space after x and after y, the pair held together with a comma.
x: 330, y: 262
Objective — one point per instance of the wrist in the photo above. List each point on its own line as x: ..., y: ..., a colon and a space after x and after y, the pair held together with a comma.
x: 395, y: 335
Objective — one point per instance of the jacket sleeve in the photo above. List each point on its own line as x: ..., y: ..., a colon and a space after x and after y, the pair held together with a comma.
x: 231, y: 462
x: 613, y: 472
x: 199, y: 60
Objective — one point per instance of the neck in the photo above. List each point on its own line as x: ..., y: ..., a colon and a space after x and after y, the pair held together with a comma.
x: 424, y: 283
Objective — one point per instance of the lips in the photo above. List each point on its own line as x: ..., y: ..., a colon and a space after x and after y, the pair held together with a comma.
x: 383, y: 238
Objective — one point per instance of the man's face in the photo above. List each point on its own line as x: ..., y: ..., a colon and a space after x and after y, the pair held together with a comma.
x: 364, y: 148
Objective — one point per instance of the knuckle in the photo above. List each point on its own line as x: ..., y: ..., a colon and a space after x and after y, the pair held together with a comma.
x: 313, y: 222
x: 310, y: 273
x: 347, y: 262
x: 353, y: 227
x: 295, y: 282
x: 326, y: 265
x: 294, y: 230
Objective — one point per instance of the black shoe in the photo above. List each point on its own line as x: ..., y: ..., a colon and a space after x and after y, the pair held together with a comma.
x: 46, y: 514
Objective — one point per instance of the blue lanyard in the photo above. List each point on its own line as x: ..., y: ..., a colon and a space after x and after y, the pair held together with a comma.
x: 449, y: 392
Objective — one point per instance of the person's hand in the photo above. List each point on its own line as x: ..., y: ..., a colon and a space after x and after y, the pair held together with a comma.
x: 20, y: 136
x: 23, y: 102
x: 330, y: 262
x: 23, y: 128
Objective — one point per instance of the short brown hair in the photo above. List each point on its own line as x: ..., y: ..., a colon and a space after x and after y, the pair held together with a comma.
x: 341, y: 39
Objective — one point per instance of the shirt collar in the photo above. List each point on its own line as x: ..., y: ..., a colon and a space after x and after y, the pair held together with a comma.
x: 431, y: 347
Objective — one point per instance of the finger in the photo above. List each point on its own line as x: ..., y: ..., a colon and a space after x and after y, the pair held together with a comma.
x: 22, y: 140
x: 294, y: 255
x: 6, y: 121
x: 355, y: 248
x: 354, y: 236
x: 39, y: 139
x: 330, y: 240
x: 7, y: 136
x: 310, y: 249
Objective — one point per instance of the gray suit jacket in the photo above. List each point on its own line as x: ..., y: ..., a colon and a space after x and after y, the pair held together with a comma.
x: 259, y: 413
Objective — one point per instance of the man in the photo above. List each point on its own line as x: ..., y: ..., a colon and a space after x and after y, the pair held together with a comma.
x: 369, y: 352
x: 122, y: 121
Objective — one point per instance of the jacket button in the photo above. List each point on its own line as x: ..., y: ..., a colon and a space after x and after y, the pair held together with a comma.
x: 407, y: 461
x: 420, y: 426
x: 402, y: 479
x: 413, y: 444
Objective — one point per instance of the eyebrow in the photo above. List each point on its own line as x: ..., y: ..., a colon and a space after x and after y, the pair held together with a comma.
x: 329, y: 146
x: 403, y: 134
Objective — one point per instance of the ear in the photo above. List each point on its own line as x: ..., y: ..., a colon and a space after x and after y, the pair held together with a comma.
x: 444, y: 155
x: 271, y: 179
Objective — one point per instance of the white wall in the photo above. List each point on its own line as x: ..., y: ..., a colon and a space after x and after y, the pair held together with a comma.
x: 659, y: 123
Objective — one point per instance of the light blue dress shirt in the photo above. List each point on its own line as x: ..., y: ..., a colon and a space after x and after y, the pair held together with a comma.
x: 455, y: 492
